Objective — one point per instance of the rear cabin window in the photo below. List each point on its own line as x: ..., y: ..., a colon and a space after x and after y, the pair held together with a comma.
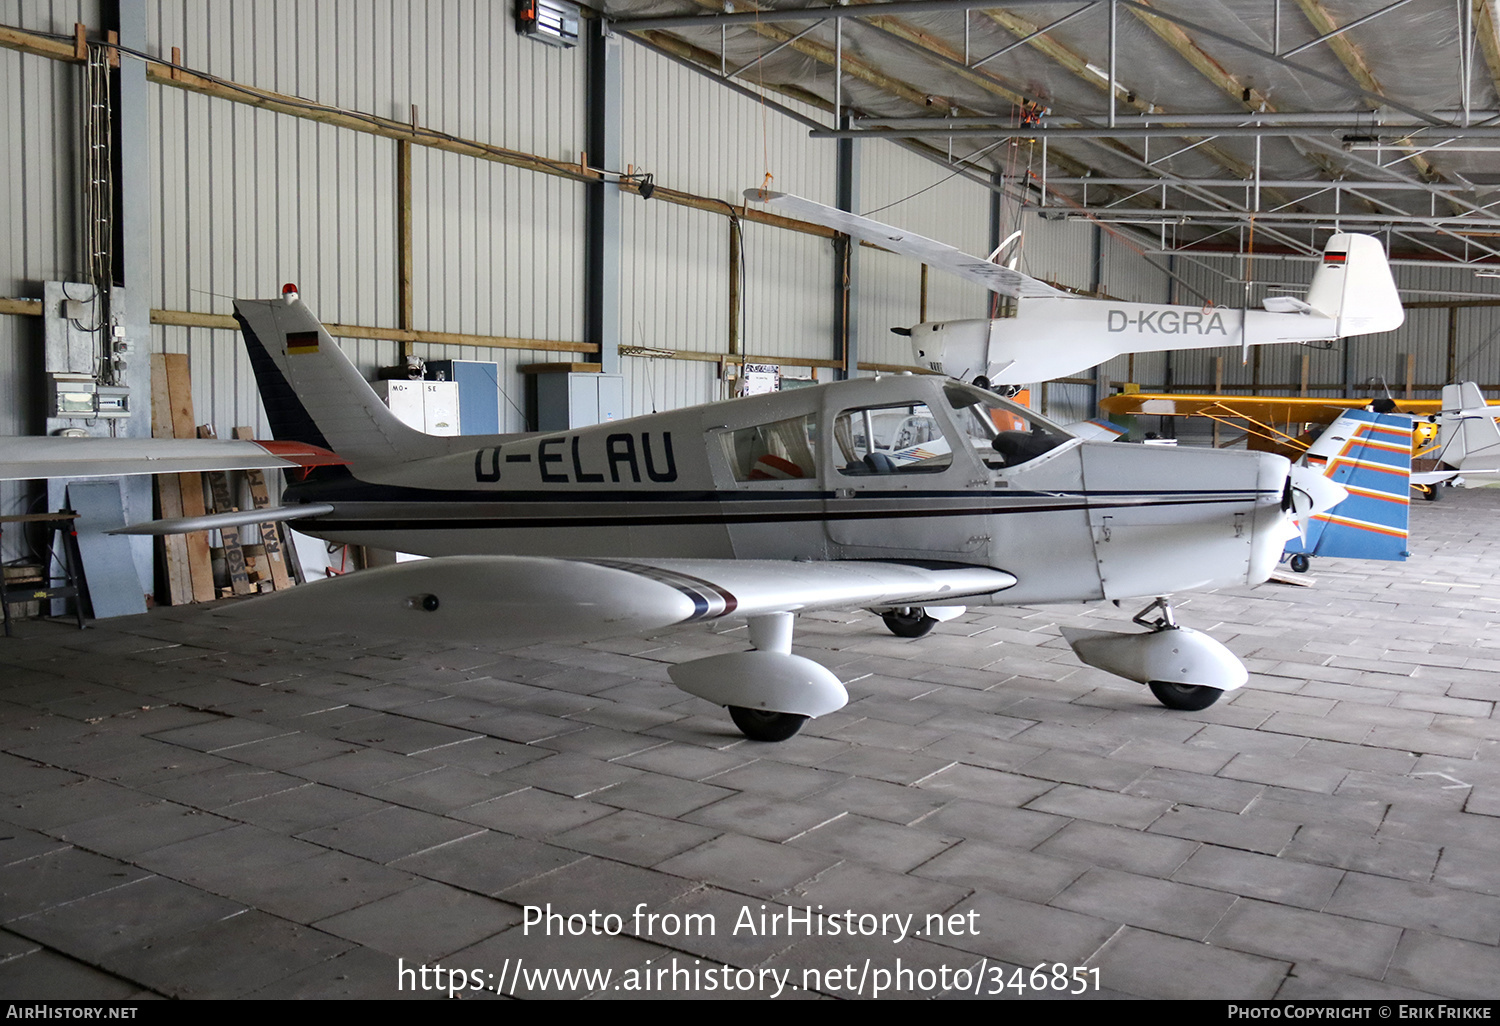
x: 783, y: 450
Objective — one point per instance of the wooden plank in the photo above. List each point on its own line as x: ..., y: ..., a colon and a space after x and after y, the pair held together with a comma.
x: 180, y: 403
x: 24, y: 307
x: 179, y: 584
x: 270, y: 533
x: 234, y: 555
x: 404, y: 316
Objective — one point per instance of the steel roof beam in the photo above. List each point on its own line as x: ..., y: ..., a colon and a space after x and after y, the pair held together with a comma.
x: 1240, y: 44
x: 1240, y: 92
x: 1280, y: 183
x: 1353, y: 61
x: 1454, y: 265
x: 1245, y: 119
x: 1077, y: 65
x: 768, y: 15
x: 1340, y: 30
x: 1377, y: 218
x: 1365, y: 133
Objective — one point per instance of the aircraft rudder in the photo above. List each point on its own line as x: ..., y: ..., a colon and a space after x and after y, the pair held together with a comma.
x: 314, y: 394
x: 1353, y: 285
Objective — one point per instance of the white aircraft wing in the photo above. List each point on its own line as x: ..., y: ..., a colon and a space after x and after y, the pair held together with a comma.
x: 529, y: 597
x: 994, y: 277
x: 37, y: 458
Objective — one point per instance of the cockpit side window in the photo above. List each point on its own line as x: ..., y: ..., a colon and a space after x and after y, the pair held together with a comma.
x: 782, y: 450
x: 899, y: 439
x: 1005, y: 434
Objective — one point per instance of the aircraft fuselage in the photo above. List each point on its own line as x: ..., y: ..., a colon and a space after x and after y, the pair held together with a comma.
x: 795, y: 475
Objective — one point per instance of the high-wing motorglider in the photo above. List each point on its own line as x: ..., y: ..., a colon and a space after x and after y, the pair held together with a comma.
x: 1056, y: 333
x: 759, y: 508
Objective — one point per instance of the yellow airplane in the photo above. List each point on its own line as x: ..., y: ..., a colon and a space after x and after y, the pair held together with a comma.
x: 1288, y: 425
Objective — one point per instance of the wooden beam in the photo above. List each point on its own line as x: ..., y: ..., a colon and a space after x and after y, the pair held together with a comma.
x: 404, y: 318
x: 1239, y: 91
x: 372, y: 124
x: 734, y: 286
x: 1353, y: 60
x: 854, y: 67
x: 1451, y: 371
x: 1077, y: 65
x: 23, y: 307
x: 173, y: 547
x: 1487, y: 31
x: 180, y: 406
x: 986, y: 80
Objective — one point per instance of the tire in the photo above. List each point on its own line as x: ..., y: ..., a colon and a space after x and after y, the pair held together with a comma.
x: 1300, y: 563
x: 1188, y: 697
x: 1430, y: 493
x: 910, y: 624
x: 761, y: 725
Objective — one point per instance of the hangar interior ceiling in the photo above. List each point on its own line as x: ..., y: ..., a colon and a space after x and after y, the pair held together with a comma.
x: 1194, y: 123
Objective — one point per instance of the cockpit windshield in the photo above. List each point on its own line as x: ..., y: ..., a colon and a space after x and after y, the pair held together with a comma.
x: 1005, y: 434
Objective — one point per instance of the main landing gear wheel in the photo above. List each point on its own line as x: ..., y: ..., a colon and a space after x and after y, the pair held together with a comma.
x: 908, y: 623
x: 762, y: 725
x: 1190, y: 697
x: 1300, y: 563
x: 1430, y: 493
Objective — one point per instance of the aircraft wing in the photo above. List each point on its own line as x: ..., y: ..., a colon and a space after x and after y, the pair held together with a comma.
x: 1270, y: 409
x: 994, y: 277
x: 528, y: 597
x: 34, y: 459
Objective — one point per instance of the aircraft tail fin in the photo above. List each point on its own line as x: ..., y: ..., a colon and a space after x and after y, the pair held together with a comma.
x: 1369, y: 454
x: 1467, y: 426
x: 1353, y: 285
x: 314, y: 395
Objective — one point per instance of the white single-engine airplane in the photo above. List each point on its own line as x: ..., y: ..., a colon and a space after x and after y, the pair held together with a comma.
x: 1055, y: 333
x: 759, y: 508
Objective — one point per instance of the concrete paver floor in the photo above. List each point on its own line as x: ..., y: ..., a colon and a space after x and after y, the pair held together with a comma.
x: 198, y: 809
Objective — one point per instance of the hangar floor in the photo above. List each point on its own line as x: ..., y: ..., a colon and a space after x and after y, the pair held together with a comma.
x: 194, y: 811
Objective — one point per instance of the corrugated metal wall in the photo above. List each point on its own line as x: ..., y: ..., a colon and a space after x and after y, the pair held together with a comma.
x: 39, y: 200
x: 244, y: 200
x: 709, y: 141
x: 903, y: 189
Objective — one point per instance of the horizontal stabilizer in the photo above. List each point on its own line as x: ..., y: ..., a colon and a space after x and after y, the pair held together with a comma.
x: 218, y: 521
x: 37, y: 458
